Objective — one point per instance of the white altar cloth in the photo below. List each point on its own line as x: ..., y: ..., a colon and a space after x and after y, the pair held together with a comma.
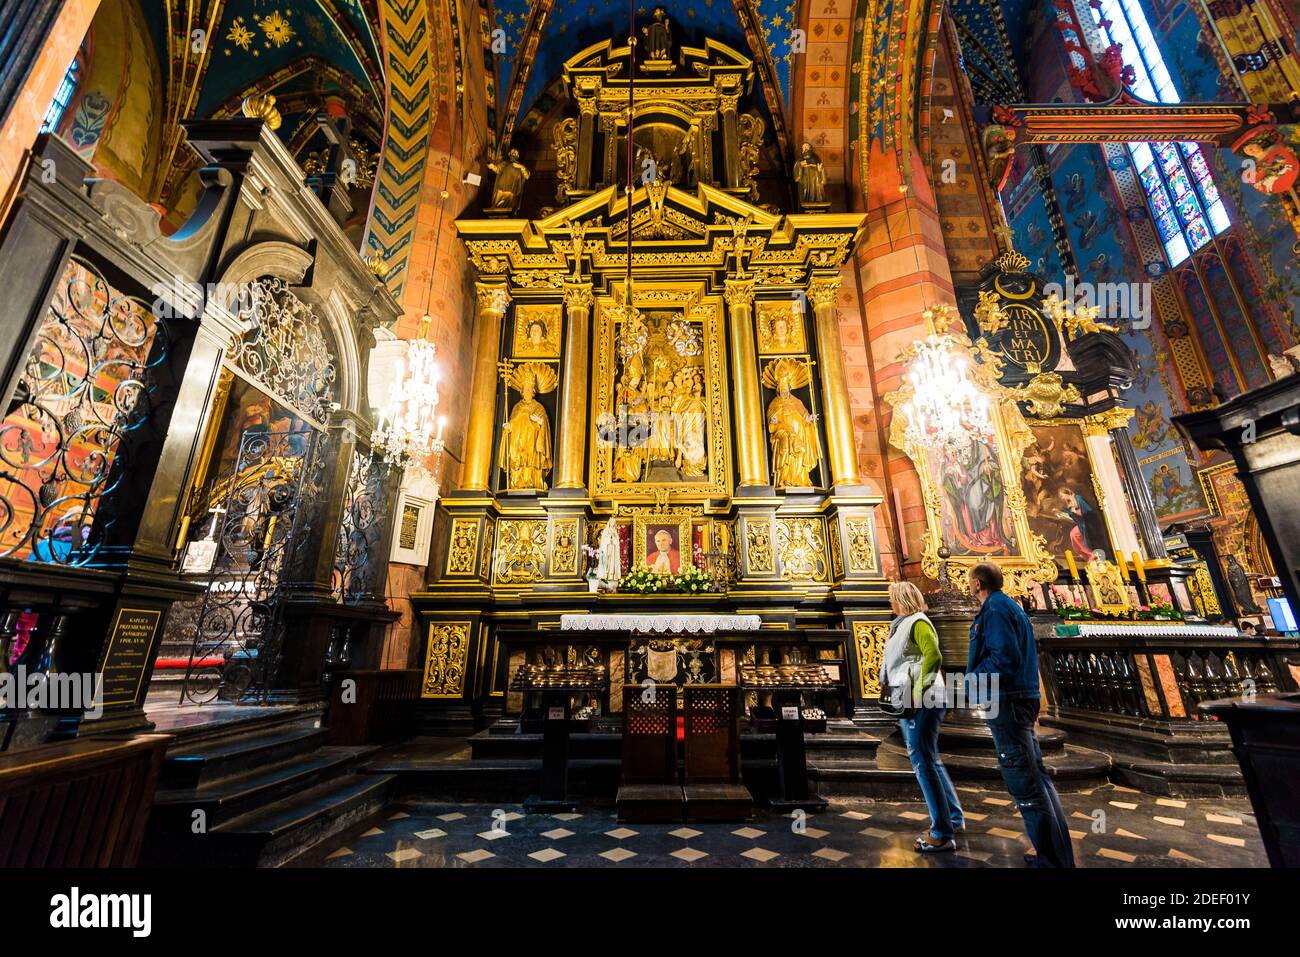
x: 1155, y: 629
x: 660, y: 624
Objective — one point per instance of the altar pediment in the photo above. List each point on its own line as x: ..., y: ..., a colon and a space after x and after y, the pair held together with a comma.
x: 691, y: 228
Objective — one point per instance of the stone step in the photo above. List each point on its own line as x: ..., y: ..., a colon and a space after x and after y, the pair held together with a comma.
x: 228, y: 798
x: 278, y: 832
x: 193, y: 765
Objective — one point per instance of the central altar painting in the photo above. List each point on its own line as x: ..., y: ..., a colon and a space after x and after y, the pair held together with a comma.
x: 660, y: 413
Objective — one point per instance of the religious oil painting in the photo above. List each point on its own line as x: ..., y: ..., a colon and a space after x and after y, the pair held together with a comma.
x: 781, y: 328
x: 537, y: 331
x: 974, y: 516
x: 1060, y: 498
x: 662, y: 543
x: 660, y: 421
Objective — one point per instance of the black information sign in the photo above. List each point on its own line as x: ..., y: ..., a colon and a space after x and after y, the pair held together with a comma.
x: 127, y: 654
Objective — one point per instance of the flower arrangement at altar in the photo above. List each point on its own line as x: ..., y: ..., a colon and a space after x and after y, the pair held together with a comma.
x: 642, y: 581
x: 693, y: 580
x: 1069, y: 608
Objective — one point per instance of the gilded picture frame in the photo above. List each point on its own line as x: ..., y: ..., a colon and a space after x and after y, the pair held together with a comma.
x: 1027, y: 562
x: 1093, y: 485
x: 679, y: 528
x: 537, y: 330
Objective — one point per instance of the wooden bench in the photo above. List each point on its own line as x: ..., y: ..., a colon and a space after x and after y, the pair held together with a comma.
x: 79, y: 803
x: 650, y: 791
x: 382, y: 708
x: 712, y: 790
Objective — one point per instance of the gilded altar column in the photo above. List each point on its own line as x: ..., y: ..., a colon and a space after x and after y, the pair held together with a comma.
x: 727, y: 105
x: 573, y: 389
x: 750, y: 451
x: 493, y: 298
x: 822, y: 291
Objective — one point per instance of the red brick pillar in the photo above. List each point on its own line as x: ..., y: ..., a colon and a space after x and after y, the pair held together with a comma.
x: 902, y: 268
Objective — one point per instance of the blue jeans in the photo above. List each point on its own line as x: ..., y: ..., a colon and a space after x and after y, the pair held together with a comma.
x: 921, y: 735
x: 1021, y: 762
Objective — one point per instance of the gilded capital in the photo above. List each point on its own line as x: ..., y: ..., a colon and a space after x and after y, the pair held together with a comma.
x: 577, y: 295
x: 728, y: 102
x: 740, y: 292
x: 492, y: 298
x: 822, y: 292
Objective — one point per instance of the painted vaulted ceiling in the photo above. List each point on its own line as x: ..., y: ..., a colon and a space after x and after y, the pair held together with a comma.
x: 995, y: 37
x: 299, y: 50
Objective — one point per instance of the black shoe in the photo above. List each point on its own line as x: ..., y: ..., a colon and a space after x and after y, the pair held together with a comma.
x: 1031, y: 858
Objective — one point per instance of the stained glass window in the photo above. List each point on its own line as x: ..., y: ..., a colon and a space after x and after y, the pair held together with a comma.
x: 62, y: 96
x: 1173, y: 175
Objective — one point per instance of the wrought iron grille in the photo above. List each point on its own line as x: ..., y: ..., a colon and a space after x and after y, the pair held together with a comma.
x: 284, y: 348
x: 239, y: 629
x: 363, y: 526
x: 87, y: 384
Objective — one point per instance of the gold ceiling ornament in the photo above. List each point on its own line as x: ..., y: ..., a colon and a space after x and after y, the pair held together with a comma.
x: 378, y: 266
x: 1047, y: 394
x: 1073, y: 319
x: 1012, y: 261
x: 262, y: 107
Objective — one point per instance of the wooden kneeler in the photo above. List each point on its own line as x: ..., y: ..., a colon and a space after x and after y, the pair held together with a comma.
x: 650, y: 791
x: 713, y: 791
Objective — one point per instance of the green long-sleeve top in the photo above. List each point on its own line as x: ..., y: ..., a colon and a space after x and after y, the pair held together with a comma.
x: 931, y: 658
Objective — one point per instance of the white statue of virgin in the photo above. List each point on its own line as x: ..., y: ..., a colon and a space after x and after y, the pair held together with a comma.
x: 608, y: 565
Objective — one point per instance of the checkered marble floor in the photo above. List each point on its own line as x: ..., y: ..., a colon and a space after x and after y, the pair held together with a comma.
x: 1111, y: 826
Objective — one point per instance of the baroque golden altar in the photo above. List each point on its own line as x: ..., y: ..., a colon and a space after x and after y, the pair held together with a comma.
x: 703, y: 405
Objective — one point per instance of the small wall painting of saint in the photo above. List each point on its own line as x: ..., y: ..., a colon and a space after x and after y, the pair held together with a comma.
x: 663, y: 555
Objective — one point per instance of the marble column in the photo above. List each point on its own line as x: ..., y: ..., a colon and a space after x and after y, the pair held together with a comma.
x: 574, y: 388
x: 493, y: 299
x: 822, y: 291
x: 751, y: 452
x: 1139, y: 494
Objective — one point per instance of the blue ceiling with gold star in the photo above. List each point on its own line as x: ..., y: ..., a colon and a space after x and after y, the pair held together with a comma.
x: 298, y: 50
x: 996, y: 40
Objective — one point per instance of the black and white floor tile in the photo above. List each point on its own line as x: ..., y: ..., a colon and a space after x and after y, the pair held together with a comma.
x: 1111, y: 826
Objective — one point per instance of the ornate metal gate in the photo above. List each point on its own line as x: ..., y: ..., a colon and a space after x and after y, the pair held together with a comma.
x: 262, y: 518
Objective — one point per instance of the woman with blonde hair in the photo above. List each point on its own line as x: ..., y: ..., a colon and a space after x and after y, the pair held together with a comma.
x: 912, y: 687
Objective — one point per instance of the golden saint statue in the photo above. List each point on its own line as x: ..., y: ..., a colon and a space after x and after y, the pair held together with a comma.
x: 690, y: 416
x: 526, y: 437
x: 811, y: 177
x: 629, y: 456
x: 790, y: 425
x: 508, y: 189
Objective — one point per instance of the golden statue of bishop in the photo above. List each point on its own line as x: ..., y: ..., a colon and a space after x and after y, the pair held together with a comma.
x: 526, y: 436
x: 790, y: 425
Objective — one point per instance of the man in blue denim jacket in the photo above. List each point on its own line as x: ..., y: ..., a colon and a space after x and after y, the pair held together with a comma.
x: 1003, y: 649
